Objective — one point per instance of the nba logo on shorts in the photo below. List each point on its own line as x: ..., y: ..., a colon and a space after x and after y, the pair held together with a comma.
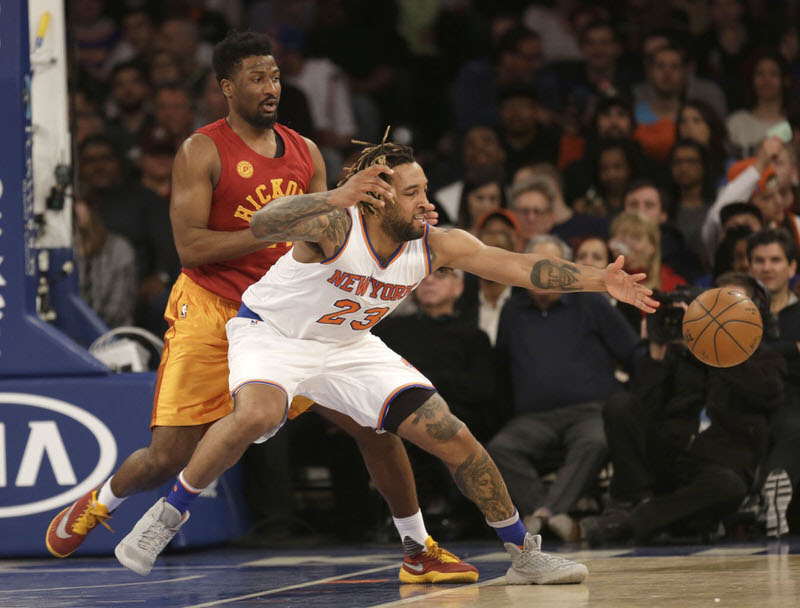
x: 253, y: 322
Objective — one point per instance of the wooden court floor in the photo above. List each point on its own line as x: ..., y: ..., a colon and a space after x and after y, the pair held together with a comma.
x: 752, y: 575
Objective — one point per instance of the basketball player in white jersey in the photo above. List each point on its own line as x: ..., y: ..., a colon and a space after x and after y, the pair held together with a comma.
x: 304, y: 329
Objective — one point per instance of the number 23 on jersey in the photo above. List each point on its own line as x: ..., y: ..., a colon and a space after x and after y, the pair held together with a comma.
x: 370, y: 316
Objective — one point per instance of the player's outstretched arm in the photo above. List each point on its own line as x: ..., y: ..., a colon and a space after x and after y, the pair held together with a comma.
x: 320, y: 216
x: 459, y: 249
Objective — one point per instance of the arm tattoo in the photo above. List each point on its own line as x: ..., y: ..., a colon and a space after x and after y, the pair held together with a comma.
x: 550, y: 275
x: 439, y: 422
x: 302, y: 217
x: 480, y: 481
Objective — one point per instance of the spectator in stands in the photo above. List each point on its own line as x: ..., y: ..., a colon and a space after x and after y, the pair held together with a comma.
x: 572, y: 89
x: 213, y: 105
x: 698, y: 121
x: 480, y: 149
x: 773, y: 261
x: 482, y: 301
x: 130, y: 210
x: 593, y: 251
x: 731, y: 255
x: 568, y: 225
x: 694, y: 190
x: 164, y: 70
x: 174, y: 114
x: 665, y: 473
x: 106, y: 266
x: 326, y: 88
x: 180, y: 39
x: 86, y: 125
x: 517, y: 58
x: 646, y: 198
x: 525, y: 138
x: 532, y: 204
x: 768, y: 182
x: 741, y: 214
x: 483, y: 192
x: 613, y: 120
x: 94, y: 35
x: 131, y: 113
x: 155, y: 167
x: 138, y: 37
x: 723, y: 49
x: 638, y: 239
x: 770, y: 85
x: 615, y: 168
x: 545, y: 342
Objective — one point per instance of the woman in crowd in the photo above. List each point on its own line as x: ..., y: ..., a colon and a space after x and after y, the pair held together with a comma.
x: 698, y: 121
x: 693, y: 190
x: 770, y: 88
x: 615, y: 168
x: 482, y: 192
x: 639, y: 240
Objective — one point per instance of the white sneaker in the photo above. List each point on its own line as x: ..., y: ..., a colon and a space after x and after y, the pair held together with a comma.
x: 777, y: 493
x: 138, y: 551
x: 529, y: 566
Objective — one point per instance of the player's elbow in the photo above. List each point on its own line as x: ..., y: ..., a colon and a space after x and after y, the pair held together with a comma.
x: 189, y: 259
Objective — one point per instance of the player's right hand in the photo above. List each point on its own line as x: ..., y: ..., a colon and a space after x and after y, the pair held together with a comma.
x: 366, y: 186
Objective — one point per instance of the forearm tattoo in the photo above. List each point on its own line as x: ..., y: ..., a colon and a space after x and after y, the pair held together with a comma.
x: 480, y: 481
x: 302, y: 217
x: 439, y: 422
x: 555, y: 276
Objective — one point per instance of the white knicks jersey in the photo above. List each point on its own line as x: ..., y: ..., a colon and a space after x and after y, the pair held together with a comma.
x: 341, y: 298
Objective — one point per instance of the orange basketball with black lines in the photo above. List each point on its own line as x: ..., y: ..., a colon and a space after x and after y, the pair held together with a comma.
x: 722, y: 327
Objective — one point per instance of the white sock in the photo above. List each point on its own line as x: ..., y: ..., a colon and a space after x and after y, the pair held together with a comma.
x: 106, y: 496
x: 412, y: 527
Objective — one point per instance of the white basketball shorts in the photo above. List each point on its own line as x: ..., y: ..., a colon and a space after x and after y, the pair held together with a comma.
x: 359, y: 379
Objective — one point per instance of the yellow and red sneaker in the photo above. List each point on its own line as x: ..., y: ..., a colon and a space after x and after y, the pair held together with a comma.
x: 436, y: 565
x: 71, y: 527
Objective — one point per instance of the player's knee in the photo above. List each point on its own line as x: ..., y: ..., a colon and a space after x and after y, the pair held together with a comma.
x: 167, y: 464
x: 256, y: 420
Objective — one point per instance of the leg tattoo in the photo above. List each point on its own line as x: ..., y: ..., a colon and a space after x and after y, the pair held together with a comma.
x: 480, y: 481
x: 439, y: 422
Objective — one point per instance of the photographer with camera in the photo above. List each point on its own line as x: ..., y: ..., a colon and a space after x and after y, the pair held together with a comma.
x: 666, y: 472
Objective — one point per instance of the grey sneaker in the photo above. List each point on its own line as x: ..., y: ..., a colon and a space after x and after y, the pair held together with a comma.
x: 529, y: 566
x: 777, y: 493
x: 138, y: 551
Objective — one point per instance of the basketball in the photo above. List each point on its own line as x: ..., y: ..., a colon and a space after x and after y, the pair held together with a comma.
x: 722, y: 327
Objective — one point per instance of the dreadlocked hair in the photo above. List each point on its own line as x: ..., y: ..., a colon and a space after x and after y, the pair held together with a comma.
x: 387, y: 153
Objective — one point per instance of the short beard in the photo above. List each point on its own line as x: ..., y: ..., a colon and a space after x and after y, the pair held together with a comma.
x: 260, y: 121
x: 399, y: 230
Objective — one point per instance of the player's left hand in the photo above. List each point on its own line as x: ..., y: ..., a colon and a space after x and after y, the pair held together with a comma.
x: 626, y: 288
x: 432, y: 217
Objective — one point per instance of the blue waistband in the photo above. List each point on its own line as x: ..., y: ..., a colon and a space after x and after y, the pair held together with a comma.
x: 246, y: 312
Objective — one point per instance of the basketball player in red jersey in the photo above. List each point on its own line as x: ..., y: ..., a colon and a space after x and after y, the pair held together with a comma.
x: 222, y: 175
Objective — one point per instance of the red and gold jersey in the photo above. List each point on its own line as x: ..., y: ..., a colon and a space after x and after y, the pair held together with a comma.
x: 248, y: 182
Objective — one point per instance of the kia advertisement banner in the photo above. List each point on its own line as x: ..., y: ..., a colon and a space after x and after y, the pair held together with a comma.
x: 61, y: 437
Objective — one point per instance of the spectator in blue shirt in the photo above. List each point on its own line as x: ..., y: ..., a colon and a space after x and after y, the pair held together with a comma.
x: 560, y: 352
